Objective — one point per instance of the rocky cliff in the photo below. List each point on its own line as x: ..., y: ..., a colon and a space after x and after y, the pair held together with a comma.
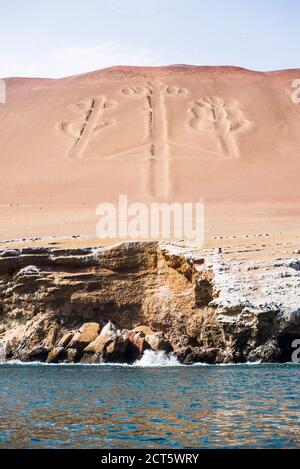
x: 111, y: 304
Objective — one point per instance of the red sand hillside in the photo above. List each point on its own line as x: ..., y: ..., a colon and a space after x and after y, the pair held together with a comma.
x: 225, y: 135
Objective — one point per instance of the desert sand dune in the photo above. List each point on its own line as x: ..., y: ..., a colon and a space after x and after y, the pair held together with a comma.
x: 224, y: 135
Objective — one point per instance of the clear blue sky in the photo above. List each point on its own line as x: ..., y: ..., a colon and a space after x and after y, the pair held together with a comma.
x: 63, y: 37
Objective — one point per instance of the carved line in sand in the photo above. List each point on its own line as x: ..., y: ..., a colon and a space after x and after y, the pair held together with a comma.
x: 222, y: 117
x: 210, y: 114
x: 90, y: 121
x: 158, y: 167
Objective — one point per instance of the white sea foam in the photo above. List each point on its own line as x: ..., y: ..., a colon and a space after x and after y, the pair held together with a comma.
x: 156, y: 359
x: 150, y: 359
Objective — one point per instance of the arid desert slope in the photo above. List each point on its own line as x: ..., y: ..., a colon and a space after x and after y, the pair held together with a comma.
x: 227, y: 136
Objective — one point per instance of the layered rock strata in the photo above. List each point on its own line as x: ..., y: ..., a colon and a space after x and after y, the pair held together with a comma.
x: 95, y: 305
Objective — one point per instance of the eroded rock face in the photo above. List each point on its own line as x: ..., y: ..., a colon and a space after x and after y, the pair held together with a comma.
x: 56, y: 355
x: 110, y: 305
x: 86, y: 334
x: 158, y: 342
x: 109, y: 346
x: 266, y: 353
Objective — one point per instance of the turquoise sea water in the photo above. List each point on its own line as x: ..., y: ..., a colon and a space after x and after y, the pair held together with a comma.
x: 81, y: 406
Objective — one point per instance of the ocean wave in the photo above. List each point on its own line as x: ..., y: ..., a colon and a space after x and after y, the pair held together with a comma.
x: 159, y: 359
x: 150, y: 359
